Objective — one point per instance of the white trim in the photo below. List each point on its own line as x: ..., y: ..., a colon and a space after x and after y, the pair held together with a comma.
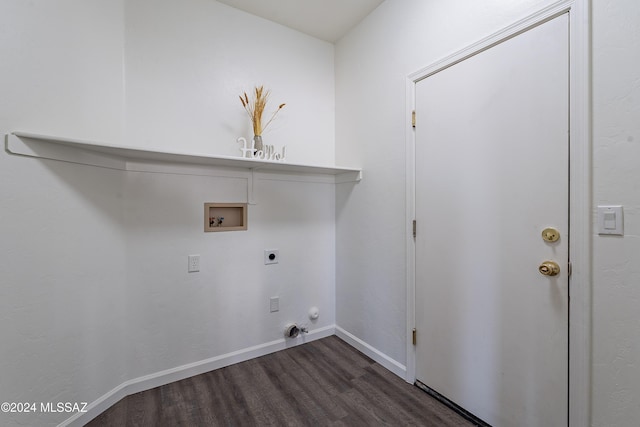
x: 580, y: 193
x: 494, y: 39
x: 178, y: 373
x: 295, y: 177
x: 227, y: 172
x: 580, y: 215
x: 410, y: 241
x: 379, y: 357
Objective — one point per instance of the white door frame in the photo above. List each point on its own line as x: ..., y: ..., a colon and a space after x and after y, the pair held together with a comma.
x: 579, y: 193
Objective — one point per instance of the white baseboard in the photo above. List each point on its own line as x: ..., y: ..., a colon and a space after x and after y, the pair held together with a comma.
x: 394, y: 366
x: 178, y: 373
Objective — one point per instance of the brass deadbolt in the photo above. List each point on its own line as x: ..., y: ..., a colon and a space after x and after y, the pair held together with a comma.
x: 550, y: 234
x: 549, y: 268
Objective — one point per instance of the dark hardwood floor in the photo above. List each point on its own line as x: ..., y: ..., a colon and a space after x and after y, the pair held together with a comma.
x: 321, y: 383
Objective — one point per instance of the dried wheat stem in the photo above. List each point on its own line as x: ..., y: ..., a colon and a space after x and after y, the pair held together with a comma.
x: 256, y: 107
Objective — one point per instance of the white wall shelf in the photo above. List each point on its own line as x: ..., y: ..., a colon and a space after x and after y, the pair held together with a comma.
x: 119, y: 157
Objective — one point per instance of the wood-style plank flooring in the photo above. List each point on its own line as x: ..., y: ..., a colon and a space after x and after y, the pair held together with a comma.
x: 321, y: 383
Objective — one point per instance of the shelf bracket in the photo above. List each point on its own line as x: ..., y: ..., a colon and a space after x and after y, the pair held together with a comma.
x: 351, y: 176
x: 250, y: 189
x: 30, y: 146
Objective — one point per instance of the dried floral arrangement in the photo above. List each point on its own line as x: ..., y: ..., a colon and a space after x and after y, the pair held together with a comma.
x: 255, y: 107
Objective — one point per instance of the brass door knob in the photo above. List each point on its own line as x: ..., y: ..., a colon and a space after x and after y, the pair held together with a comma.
x: 549, y: 268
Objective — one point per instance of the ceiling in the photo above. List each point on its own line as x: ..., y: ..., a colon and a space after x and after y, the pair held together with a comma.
x: 324, y: 19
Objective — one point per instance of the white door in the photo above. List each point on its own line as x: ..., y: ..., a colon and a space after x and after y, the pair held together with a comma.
x: 492, y: 164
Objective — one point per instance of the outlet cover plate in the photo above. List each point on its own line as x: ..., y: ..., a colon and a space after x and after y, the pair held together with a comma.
x: 194, y: 263
x: 271, y: 256
x: 274, y: 304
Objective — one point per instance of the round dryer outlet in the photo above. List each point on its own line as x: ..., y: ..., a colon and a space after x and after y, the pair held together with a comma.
x: 291, y: 331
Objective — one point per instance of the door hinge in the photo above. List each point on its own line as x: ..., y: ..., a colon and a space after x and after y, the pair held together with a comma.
x: 569, y: 269
x: 414, y: 333
x: 414, y: 228
x: 413, y: 118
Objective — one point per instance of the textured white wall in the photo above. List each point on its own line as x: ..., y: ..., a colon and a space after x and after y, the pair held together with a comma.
x: 616, y: 156
x: 93, y: 262
x: 62, y: 237
x: 62, y: 67
x: 175, y: 317
x: 187, y: 62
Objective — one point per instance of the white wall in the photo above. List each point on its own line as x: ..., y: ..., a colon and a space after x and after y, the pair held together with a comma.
x: 616, y: 156
x: 174, y: 317
x: 372, y: 62
x: 93, y: 262
x: 187, y: 63
x: 62, y: 67
x: 62, y: 240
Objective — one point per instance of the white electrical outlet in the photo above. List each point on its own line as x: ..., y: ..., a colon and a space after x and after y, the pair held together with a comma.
x: 271, y: 256
x: 194, y: 263
x: 274, y: 304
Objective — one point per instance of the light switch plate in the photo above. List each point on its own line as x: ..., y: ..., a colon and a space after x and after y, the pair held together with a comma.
x: 610, y: 220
